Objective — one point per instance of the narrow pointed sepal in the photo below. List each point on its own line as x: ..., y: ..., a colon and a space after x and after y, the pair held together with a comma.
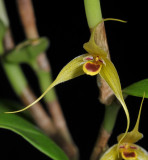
x: 109, y: 74
x: 142, y: 154
x: 72, y: 70
x: 111, y: 154
x: 91, y: 46
x: 133, y: 136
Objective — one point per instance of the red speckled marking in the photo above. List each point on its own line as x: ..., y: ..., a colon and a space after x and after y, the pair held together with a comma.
x: 129, y: 154
x: 100, y: 60
x: 133, y: 147
x: 122, y: 147
x: 92, y: 67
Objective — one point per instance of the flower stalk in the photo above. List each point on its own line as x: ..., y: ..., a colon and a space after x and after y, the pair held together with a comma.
x: 93, y: 12
x: 110, y: 116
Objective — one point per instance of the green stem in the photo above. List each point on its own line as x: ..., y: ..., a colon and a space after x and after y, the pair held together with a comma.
x: 13, y: 71
x: 3, y: 14
x: 1, y: 48
x: 16, y: 77
x: 45, y: 79
x: 110, y: 116
x: 4, y: 23
x: 93, y: 12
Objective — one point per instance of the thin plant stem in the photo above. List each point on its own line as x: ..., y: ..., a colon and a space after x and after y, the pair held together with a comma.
x: 44, y: 79
x: 93, y: 12
x: 108, y: 124
x: 11, y: 70
x: 3, y: 14
x: 110, y: 116
x: 100, y: 144
x: 43, y: 70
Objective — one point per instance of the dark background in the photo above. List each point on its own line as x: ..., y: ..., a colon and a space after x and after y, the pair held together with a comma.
x: 64, y: 23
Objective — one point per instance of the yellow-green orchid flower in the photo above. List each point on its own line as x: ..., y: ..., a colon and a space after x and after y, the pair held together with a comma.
x: 127, y: 150
x: 94, y: 62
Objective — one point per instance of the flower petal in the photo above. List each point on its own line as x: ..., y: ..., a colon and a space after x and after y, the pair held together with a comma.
x: 111, y: 154
x: 91, y: 68
x: 142, y: 154
x: 134, y: 135
x: 72, y: 70
x: 110, y: 75
x: 91, y: 46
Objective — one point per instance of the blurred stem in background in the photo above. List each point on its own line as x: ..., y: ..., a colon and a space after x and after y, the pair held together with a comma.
x: 42, y: 69
x: 18, y: 80
x: 94, y: 16
x: 55, y: 126
x: 22, y: 89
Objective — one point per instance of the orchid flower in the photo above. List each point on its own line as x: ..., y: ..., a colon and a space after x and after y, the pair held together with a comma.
x: 94, y: 62
x: 127, y: 150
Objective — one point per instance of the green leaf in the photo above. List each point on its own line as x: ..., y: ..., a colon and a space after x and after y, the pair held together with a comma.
x: 30, y: 133
x: 137, y: 89
x: 27, y: 51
